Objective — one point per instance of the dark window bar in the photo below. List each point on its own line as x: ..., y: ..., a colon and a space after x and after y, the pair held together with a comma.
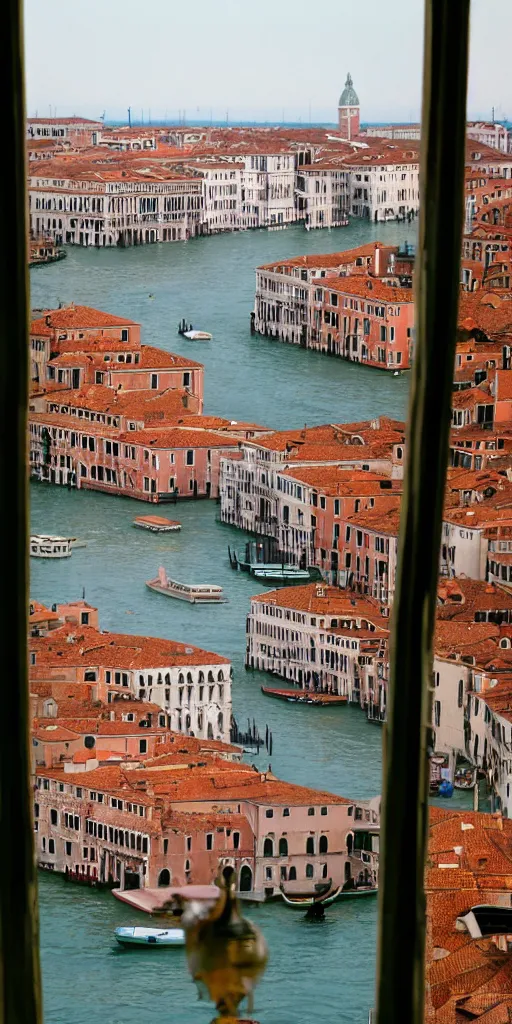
x: 400, y: 986
x: 19, y: 964
x: 401, y: 936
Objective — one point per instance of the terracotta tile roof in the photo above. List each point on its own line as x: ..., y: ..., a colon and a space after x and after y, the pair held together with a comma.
x: 321, y: 599
x: 74, y: 316
x: 121, y: 650
x: 179, y: 437
x: 325, y: 260
x: 369, y: 288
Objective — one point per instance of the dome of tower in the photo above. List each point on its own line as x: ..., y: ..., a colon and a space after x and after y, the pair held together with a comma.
x: 349, y: 97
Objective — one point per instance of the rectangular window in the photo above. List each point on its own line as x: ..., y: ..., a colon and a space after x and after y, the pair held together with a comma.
x: 154, y: 381
x: 143, y: 746
x: 190, y: 457
x: 209, y: 840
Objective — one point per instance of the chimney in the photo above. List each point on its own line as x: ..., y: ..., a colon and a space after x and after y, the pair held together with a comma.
x: 48, y: 320
x: 376, y: 261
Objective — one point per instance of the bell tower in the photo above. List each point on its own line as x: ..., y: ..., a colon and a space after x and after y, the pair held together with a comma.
x: 348, y: 111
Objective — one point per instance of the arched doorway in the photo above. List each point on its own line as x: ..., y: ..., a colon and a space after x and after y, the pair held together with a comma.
x: 245, y: 879
x: 164, y: 877
x: 350, y: 843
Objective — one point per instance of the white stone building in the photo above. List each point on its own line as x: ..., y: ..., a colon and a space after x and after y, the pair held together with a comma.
x: 321, y: 638
x: 191, y: 685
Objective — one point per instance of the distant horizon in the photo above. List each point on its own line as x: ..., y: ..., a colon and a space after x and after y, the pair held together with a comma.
x: 244, y: 122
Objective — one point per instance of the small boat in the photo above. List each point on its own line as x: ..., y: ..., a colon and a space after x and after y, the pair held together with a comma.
x: 197, y: 335
x: 187, y: 331
x: 303, y: 901
x: 195, y: 594
x: 272, y: 572
x: 45, y: 546
x: 305, y: 696
x: 150, y: 936
x: 157, y: 524
x: 280, y: 573
x: 465, y: 774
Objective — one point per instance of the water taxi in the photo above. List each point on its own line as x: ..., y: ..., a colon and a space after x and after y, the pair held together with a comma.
x: 150, y: 936
x: 194, y: 594
x: 45, y: 546
x: 157, y: 524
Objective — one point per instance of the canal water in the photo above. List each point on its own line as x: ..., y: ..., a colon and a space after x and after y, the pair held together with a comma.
x: 322, y: 971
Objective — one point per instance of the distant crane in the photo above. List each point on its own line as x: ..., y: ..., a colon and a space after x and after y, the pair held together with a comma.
x: 129, y: 117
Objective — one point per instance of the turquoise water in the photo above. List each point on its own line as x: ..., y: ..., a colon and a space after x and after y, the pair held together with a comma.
x: 322, y: 971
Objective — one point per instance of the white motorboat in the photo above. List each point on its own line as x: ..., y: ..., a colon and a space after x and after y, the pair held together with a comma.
x: 195, y: 594
x: 197, y: 335
x: 188, y: 331
x: 150, y: 936
x: 45, y: 546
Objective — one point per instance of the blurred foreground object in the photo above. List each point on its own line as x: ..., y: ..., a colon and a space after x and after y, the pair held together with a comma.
x: 226, y: 953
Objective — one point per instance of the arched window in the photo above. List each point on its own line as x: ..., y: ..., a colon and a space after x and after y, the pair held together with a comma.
x: 187, y: 867
x: 89, y: 742
x: 460, y: 696
x: 210, y: 731
x: 283, y: 847
x: 210, y: 677
x: 164, y: 877
x: 245, y: 879
x: 292, y: 874
x: 236, y: 840
x: 201, y: 677
x: 323, y: 845
x: 220, y: 676
x: 181, y: 679
x: 220, y: 720
x: 189, y: 677
x: 268, y: 848
x: 309, y: 871
x: 310, y: 846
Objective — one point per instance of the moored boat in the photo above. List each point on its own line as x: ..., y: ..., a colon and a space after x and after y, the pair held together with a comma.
x: 465, y: 774
x: 305, y: 696
x: 197, y: 335
x: 279, y: 574
x: 157, y: 524
x: 189, y: 332
x: 276, y: 573
x: 194, y: 594
x: 334, y: 895
x: 137, y: 936
x: 46, y: 546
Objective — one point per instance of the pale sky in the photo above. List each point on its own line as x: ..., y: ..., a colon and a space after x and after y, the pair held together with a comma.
x: 271, y: 59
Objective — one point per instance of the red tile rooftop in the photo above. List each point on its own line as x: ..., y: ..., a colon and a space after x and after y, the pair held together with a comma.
x: 73, y: 317
x: 370, y: 288
x: 179, y: 437
x: 116, y: 649
x: 324, y: 260
x: 322, y: 599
